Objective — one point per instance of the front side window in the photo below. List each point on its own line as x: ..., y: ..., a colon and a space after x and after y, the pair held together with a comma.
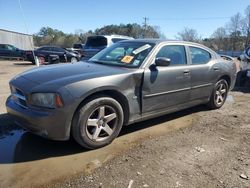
x: 11, y: 48
x: 199, y: 56
x: 127, y: 54
x: 176, y: 54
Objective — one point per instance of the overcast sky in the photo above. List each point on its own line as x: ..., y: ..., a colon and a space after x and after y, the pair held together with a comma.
x: 170, y: 15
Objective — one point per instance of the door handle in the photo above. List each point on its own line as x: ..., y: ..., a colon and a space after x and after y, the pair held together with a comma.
x: 216, y: 68
x: 186, y: 72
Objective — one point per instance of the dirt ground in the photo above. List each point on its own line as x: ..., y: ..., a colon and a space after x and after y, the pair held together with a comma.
x: 196, y: 147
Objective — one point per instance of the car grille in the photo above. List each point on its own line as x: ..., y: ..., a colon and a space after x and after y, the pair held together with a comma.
x: 19, y: 97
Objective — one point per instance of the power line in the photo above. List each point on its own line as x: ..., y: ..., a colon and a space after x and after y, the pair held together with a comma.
x: 194, y: 18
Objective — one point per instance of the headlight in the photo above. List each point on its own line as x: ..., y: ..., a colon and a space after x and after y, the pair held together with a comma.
x: 48, y: 100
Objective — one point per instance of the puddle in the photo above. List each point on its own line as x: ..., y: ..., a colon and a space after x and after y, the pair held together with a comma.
x: 8, y: 144
x: 24, y: 156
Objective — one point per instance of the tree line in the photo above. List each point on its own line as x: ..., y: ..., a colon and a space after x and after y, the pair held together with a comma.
x: 233, y: 36
x: 49, y: 36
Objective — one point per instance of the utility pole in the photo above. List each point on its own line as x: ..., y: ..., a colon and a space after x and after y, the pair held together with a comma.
x: 145, y: 25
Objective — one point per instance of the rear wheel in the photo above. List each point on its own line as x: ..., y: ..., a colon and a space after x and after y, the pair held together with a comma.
x: 98, y: 122
x: 219, y: 94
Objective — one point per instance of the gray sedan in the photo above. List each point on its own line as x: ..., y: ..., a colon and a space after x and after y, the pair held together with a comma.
x: 128, y: 82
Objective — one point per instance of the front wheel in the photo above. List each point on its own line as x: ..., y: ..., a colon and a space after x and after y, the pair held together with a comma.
x: 98, y: 122
x: 73, y: 60
x: 219, y: 94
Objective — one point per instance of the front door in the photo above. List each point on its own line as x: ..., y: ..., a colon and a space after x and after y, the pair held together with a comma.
x: 167, y: 87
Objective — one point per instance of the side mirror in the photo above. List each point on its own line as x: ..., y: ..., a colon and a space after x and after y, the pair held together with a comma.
x: 162, y: 61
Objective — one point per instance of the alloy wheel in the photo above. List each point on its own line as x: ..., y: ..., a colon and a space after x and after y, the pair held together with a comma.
x: 101, y: 123
x: 220, y: 93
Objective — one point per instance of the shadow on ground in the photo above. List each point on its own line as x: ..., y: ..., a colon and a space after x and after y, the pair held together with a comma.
x: 245, y: 89
x: 17, y: 145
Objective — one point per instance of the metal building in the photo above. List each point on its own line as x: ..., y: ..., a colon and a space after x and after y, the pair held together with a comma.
x: 19, y: 40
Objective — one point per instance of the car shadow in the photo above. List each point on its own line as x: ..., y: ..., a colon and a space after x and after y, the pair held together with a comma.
x: 17, y: 145
x: 245, y: 89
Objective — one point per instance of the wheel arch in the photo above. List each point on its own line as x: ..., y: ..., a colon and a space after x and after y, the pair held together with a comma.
x: 227, y: 78
x: 117, y: 95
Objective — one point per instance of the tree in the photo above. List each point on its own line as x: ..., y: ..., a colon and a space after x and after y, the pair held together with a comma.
x: 235, y: 29
x: 220, y: 37
x: 133, y: 30
x: 246, y: 26
x: 188, y: 35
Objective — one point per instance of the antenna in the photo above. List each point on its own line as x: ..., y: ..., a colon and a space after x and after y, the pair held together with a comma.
x: 27, y: 31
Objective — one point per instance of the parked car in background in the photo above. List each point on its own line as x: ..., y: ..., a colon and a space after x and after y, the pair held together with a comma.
x: 78, y: 47
x: 95, y: 44
x: 127, y: 82
x: 234, y: 60
x: 10, y: 51
x: 47, y: 52
x: 244, y: 74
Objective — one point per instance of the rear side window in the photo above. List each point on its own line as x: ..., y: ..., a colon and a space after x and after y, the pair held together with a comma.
x: 199, y: 56
x: 97, y: 41
x: 176, y: 54
x: 44, y: 49
x: 55, y: 49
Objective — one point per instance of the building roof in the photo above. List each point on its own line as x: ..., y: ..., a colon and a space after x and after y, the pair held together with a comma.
x: 14, y: 32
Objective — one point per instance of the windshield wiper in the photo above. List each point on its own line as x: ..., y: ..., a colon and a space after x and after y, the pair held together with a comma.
x: 96, y: 61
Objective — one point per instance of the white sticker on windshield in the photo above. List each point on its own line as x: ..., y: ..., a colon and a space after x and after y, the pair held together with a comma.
x: 142, y: 48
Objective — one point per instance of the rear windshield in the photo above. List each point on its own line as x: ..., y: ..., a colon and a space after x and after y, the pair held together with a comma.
x: 97, y: 41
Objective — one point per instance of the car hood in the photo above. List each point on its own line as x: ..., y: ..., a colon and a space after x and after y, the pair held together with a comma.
x: 62, y: 74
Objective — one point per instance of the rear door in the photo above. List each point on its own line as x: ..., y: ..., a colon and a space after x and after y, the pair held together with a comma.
x: 203, y: 73
x: 166, y: 87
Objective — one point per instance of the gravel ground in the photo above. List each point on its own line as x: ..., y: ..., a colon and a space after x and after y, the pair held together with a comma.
x: 213, y: 152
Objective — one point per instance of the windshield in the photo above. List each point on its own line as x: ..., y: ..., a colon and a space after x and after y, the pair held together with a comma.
x: 127, y: 54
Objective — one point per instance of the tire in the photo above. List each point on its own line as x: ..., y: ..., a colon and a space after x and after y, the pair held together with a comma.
x: 73, y: 60
x: 219, y: 94
x: 98, y: 122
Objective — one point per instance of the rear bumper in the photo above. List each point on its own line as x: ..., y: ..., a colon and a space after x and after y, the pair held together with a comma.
x: 52, y: 124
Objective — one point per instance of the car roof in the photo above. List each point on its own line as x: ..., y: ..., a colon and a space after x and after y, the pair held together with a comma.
x: 113, y: 36
x: 178, y: 42
x: 157, y: 41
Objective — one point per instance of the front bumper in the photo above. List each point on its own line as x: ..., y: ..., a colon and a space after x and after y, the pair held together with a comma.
x: 52, y: 123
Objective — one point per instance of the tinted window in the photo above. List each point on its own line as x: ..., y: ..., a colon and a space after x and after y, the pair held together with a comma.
x: 77, y: 46
x: 199, y: 56
x: 114, y: 40
x: 44, y: 49
x: 176, y: 54
x: 2, y: 46
x: 248, y: 51
x: 97, y: 41
x: 11, y: 48
x: 55, y: 49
